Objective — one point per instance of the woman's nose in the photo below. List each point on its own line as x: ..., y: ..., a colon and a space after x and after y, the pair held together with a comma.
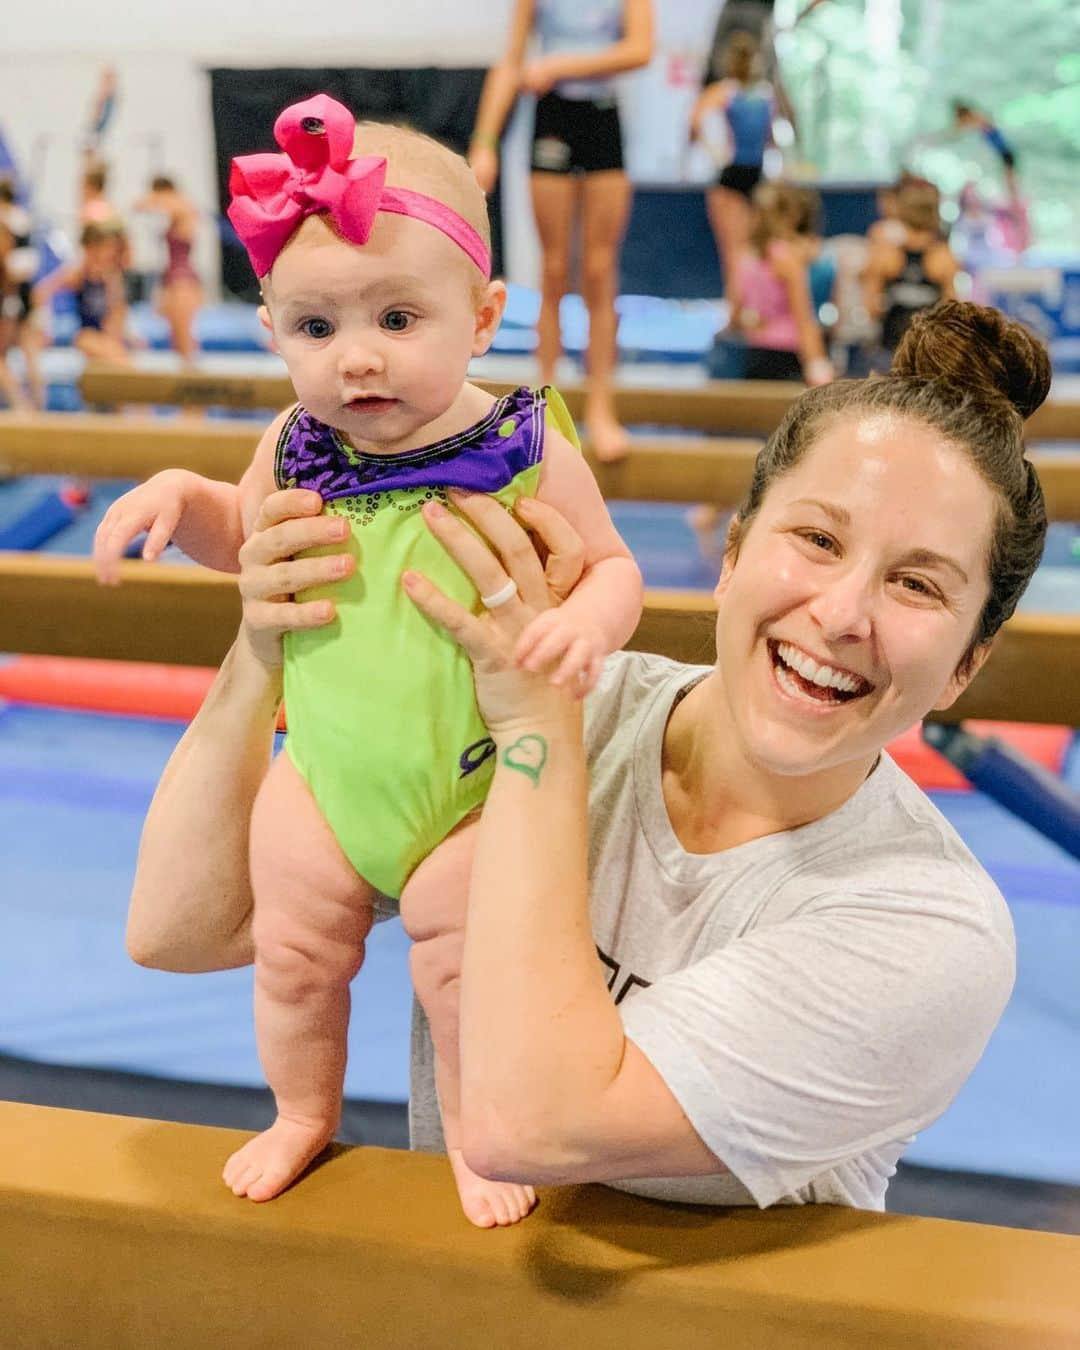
x: 843, y: 608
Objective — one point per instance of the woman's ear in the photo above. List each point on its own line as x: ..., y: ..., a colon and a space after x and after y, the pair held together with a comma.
x: 962, y: 676
x: 489, y: 312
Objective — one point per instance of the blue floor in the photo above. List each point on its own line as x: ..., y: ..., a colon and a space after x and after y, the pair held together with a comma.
x: 74, y: 788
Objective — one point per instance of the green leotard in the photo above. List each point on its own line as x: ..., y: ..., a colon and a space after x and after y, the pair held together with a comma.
x: 382, y: 718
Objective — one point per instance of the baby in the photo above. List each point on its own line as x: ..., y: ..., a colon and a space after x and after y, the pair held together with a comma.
x: 377, y: 294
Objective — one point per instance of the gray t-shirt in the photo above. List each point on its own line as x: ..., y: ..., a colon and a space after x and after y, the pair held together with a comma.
x: 813, y: 998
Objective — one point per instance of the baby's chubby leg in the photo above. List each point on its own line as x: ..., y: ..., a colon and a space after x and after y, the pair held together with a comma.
x: 313, y: 913
x: 433, y: 905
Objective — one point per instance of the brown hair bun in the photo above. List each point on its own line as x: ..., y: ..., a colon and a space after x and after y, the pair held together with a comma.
x: 979, y: 349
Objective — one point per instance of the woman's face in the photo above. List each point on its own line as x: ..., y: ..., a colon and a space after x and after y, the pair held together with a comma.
x: 854, y: 594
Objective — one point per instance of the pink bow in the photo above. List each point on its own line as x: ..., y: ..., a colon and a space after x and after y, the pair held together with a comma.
x: 271, y: 194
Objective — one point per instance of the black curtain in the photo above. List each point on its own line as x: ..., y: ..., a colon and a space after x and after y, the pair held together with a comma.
x: 439, y: 102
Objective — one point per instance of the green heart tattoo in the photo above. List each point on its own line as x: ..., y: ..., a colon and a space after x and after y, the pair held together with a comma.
x: 527, y: 755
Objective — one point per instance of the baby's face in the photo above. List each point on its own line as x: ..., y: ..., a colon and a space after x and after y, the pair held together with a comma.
x: 377, y: 337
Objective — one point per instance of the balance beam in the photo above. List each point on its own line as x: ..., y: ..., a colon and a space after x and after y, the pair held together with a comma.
x: 119, y: 1235
x: 745, y: 406
x: 683, y: 469
x: 53, y: 606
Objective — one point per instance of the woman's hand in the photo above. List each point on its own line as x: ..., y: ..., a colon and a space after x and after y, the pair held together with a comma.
x: 506, y: 691
x: 540, y: 76
x: 288, y: 523
x: 484, y: 162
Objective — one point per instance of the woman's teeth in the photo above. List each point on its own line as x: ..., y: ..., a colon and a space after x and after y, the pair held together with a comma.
x: 821, y: 682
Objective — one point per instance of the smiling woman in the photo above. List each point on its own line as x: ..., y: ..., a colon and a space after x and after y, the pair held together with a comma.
x: 719, y: 949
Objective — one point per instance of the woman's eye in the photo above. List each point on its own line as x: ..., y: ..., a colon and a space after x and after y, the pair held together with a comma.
x: 917, y: 586
x: 316, y: 328
x: 817, y: 538
x: 397, y: 320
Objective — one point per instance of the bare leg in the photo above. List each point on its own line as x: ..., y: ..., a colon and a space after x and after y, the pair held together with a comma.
x: 179, y: 305
x: 554, y: 200
x: 433, y: 907
x: 729, y: 216
x: 98, y: 346
x: 31, y: 342
x: 607, y: 198
x: 10, y: 388
x: 312, y: 916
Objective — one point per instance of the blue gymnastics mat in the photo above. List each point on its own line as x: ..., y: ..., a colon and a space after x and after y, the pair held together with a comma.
x: 74, y: 788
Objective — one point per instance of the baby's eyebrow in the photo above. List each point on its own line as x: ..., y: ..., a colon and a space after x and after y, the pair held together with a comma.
x: 403, y: 287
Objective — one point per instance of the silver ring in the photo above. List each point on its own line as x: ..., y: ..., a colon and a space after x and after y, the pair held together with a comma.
x: 501, y: 596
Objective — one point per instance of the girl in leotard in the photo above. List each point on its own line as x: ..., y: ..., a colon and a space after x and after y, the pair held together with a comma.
x: 180, y: 292
x: 577, y: 170
x: 97, y: 283
x: 771, y: 301
x: 377, y: 297
x: 912, y: 272
x: 747, y: 102
x: 771, y: 306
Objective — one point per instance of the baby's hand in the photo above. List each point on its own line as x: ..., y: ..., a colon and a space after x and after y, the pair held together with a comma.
x: 576, y: 644
x: 154, y: 506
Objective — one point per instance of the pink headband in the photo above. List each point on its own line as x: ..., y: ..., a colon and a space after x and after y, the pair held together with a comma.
x: 273, y: 193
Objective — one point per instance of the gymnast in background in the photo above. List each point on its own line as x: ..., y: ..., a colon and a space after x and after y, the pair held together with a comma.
x: 577, y: 173
x: 180, y: 292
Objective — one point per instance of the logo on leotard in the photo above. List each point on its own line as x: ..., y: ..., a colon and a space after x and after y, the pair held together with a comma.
x: 475, y: 755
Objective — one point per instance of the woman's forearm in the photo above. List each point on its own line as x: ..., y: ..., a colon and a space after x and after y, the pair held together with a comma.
x: 191, y: 899
x: 496, y: 99
x: 540, y: 1037
x: 628, y: 54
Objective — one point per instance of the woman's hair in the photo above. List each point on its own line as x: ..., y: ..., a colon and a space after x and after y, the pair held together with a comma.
x: 93, y: 233
x: 809, y: 210
x: 7, y: 191
x: 96, y: 177
x: 780, y: 210
x: 918, y: 205
x: 973, y: 375
x: 740, y: 58
x: 162, y: 183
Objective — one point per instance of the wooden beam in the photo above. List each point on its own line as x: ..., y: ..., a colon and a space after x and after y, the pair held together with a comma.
x: 182, y: 615
x: 104, y: 445
x: 743, y: 406
x: 669, y: 469
x: 111, y: 385
x: 120, y: 1234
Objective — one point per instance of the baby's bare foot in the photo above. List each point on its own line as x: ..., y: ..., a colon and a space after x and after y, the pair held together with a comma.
x: 269, y: 1162
x: 608, y: 439
x: 489, y: 1203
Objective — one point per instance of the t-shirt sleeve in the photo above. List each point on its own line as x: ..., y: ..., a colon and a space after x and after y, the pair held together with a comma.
x: 806, y: 1043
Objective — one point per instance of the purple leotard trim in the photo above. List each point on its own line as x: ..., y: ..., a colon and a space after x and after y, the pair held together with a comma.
x: 483, y: 458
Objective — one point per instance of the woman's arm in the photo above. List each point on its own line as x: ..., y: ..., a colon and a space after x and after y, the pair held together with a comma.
x: 551, y: 1087
x: 191, y: 900
x: 713, y: 96
x: 792, y: 270
x: 497, y: 96
x: 65, y: 278
x: 633, y: 49
x: 943, y: 268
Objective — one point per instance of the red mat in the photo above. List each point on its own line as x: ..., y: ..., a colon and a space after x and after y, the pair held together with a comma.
x: 142, y: 689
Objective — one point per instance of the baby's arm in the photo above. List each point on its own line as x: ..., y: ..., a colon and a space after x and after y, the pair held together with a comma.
x: 206, y: 519
x: 603, y: 610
